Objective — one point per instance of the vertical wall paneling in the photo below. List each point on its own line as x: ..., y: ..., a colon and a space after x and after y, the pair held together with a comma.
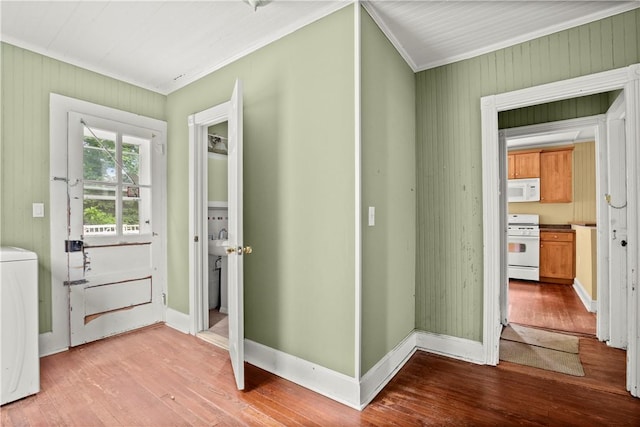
x: 449, y: 140
x: 27, y: 80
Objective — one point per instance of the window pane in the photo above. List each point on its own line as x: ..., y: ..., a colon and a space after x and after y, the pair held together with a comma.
x: 99, y: 211
x: 131, y: 210
x: 130, y: 163
x: 98, y: 156
x: 136, y: 160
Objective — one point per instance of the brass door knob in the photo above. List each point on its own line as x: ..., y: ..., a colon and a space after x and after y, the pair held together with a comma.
x: 240, y: 250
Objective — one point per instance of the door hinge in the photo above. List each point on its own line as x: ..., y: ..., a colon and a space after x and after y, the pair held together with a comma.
x: 164, y: 298
x: 195, y: 239
x: 75, y: 282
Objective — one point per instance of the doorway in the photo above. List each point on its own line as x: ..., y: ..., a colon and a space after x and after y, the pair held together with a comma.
x: 233, y: 246
x: 494, y: 190
x: 216, y: 325
x: 108, y: 222
x: 559, y: 292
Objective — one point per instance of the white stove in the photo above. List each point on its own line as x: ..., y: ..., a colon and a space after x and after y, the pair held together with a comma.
x: 523, y: 238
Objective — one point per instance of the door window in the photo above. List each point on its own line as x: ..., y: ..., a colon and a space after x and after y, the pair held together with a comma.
x: 117, y: 182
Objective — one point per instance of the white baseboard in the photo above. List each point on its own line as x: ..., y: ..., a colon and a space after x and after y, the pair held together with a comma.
x: 590, y: 305
x: 379, y: 376
x: 177, y: 320
x: 334, y: 385
x: 48, y: 344
x: 454, y: 347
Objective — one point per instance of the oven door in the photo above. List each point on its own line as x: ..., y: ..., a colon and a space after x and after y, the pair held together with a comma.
x: 524, y: 257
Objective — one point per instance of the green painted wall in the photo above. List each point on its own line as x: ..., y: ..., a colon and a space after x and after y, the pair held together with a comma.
x: 26, y: 81
x: 553, y: 111
x: 388, y: 184
x: 298, y: 190
x: 449, y: 183
x: 217, y: 185
x: 217, y: 168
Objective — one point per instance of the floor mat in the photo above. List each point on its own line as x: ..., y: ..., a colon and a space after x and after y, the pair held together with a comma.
x: 541, y: 338
x: 540, y: 357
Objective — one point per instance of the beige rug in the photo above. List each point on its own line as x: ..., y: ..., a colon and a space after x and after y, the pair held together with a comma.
x: 541, y: 338
x: 541, y: 349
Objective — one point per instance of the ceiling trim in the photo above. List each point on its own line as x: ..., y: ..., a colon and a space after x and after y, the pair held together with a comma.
x: 614, y: 10
x: 81, y: 64
x: 387, y: 32
x: 182, y: 82
x: 285, y: 31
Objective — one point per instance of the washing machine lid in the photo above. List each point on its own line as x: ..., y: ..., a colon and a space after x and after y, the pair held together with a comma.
x: 8, y: 253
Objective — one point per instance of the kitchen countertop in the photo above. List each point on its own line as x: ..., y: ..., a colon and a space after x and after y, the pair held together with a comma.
x: 555, y: 227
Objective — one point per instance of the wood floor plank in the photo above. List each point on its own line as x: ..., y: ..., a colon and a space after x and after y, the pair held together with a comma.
x: 549, y: 306
x: 160, y: 377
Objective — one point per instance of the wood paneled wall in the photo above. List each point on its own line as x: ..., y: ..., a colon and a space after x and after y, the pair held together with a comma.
x: 27, y: 80
x: 449, y: 289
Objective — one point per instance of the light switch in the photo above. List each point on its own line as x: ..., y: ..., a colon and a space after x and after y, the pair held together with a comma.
x: 38, y: 210
x: 372, y: 216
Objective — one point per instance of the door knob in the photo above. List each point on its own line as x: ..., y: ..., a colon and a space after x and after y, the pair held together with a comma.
x: 240, y: 250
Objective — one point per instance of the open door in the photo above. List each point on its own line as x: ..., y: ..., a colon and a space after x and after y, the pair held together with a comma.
x: 236, y: 248
x: 230, y: 112
x: 616, y: 198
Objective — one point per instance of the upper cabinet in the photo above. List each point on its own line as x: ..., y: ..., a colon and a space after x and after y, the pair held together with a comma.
x: 524, y: 164
x: 556, y: 176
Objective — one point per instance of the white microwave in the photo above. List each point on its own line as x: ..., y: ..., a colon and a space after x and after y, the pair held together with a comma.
x: 523, y: 190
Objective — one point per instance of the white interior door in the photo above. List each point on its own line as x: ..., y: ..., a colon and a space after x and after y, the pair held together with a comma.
x: 114, y: 199
x: 617, y: 215
x: 236, y: 249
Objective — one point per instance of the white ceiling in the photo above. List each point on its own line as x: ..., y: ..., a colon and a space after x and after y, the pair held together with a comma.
x: 164, y: 45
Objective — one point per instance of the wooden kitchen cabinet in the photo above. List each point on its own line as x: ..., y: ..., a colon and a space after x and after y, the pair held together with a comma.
x: 557, y: 256
x: 523, y: 164
x: 556, y: 185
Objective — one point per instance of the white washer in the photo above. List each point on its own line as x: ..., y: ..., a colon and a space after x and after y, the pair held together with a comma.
x: 20, y: 362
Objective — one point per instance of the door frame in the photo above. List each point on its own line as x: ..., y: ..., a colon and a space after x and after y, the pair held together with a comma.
x: 58, y: 339
x: 626, y: 79
x: 198, y: 208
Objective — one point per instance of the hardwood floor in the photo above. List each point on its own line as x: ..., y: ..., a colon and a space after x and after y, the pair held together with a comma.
x: 549, y: 306
x: 158, y: 376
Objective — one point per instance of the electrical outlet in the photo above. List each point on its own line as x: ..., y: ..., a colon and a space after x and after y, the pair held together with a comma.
x: 38, y: 210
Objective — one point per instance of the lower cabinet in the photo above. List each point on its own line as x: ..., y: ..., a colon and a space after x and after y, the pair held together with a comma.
x: 557, y: 256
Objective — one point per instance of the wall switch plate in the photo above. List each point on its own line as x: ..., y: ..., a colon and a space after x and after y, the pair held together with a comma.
x: 38, y: 210
x: 372, y: 216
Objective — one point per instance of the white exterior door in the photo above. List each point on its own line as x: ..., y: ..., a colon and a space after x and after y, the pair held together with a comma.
x: 236, y: 249
x: 114, y: 213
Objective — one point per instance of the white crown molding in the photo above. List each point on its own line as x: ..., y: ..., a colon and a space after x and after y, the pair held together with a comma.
x: 284, y: 31
x: 614, y: 10
x: 392, y: 38
x: 76, y: 63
